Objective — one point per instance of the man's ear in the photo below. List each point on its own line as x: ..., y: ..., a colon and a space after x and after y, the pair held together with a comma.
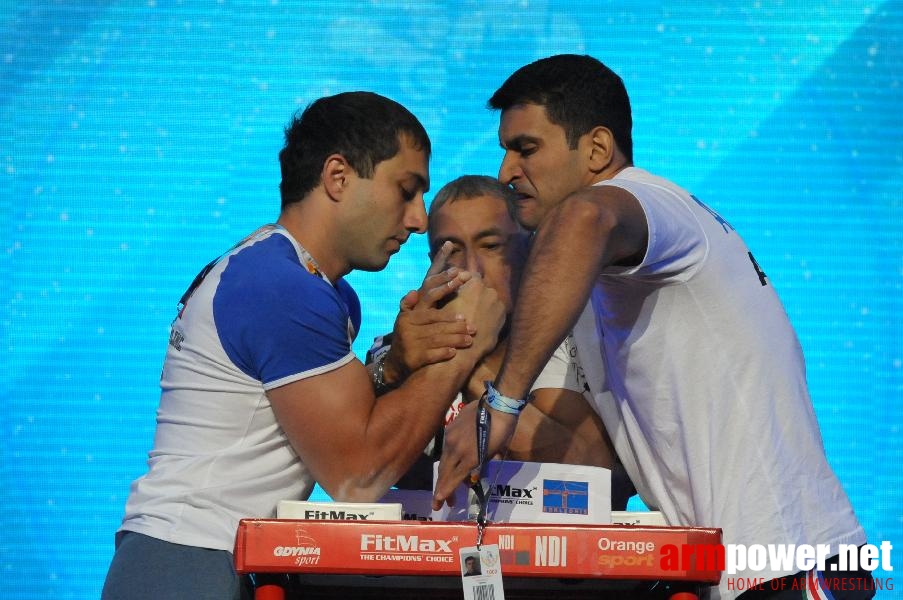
x: 602, y: 148
x: 334, y: 175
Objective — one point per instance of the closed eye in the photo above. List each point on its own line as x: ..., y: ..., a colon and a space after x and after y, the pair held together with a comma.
x: 407, y: 194
x: 522, y: 145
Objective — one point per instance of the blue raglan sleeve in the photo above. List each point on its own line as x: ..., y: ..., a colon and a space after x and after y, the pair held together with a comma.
x: 278, y: 323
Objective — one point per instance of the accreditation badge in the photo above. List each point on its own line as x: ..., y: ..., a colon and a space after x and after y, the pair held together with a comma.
x: 481, y: 573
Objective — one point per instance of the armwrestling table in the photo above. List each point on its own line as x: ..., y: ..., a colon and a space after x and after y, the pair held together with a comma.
x: 419, y: 559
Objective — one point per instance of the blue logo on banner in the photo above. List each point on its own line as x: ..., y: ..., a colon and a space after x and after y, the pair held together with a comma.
x: 565, y: 497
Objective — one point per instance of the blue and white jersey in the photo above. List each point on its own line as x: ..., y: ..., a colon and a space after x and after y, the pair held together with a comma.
x: 262, y: 317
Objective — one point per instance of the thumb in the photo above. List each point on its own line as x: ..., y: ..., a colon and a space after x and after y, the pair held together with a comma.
x: 409, y: 301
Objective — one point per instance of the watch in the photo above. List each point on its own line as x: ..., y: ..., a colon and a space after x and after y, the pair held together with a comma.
x: 377, y: 375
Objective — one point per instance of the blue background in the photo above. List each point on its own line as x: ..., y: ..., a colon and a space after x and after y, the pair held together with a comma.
x: 138, y: 140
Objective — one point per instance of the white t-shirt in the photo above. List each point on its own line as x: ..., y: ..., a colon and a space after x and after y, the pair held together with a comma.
x: 260, y: 319
x: 699, y: 377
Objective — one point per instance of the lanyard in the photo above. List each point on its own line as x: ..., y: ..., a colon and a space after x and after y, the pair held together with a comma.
x: 309, y: 263
x: 484, y: 423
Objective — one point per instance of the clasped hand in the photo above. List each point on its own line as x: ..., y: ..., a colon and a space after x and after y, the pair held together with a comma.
x: 452, y: 311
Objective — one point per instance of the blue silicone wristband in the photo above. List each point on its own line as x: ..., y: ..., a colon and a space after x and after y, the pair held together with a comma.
x: 498, y: 401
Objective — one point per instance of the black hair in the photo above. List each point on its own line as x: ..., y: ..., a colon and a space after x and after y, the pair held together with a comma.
x: 578, y: 93
x: 363, y: 127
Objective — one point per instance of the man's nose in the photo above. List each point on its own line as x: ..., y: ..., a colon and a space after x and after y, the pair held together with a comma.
x: 415, y: 219
x: 508, y: 169
x: 474, y: 264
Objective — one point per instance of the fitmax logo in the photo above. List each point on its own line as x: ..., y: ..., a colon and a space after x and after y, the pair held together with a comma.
x: 336, y: 515
x: 507, y: 491
x: 403, y: 543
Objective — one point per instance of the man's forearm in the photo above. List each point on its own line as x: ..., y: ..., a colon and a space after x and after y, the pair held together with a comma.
x: 565, y: 258
x: 402, y: 422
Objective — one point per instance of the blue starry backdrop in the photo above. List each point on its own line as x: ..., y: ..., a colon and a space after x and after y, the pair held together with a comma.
x: 139, y: 139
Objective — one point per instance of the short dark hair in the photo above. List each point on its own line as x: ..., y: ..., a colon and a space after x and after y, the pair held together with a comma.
x: 364, y: 127
x: 578, y: 93
x: 466, y: 187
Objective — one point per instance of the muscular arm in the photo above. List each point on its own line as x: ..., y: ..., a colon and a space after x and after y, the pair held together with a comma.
x: 355, y: 446
x: 590, y: 230
x: 559, y: 426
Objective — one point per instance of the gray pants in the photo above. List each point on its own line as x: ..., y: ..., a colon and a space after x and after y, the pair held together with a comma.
x: 147, y: 568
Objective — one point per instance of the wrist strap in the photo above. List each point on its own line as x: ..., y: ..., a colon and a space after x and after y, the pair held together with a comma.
x: 498, y: 401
